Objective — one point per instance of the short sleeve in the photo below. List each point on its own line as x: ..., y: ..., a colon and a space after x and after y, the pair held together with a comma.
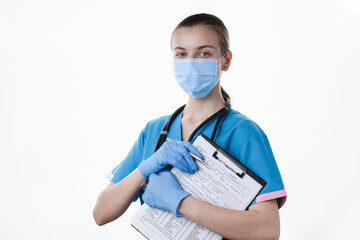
x: 130, y: 162
x: 258, y: 156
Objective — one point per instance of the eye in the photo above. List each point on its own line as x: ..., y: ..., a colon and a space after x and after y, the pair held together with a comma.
x: 180, y: 54
x: 204, y: 54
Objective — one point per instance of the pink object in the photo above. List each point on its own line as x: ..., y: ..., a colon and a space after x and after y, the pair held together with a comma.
x: 273, y: 195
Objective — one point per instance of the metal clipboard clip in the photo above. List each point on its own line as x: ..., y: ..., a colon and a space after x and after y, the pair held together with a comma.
x: 241, y: 175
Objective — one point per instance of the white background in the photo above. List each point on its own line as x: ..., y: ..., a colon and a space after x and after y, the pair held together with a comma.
x: 80, y: 79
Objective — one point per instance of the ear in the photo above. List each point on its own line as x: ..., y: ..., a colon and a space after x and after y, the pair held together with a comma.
x: 227, y: 61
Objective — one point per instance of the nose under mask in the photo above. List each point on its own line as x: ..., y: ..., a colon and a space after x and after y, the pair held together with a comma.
x: 196, y: 76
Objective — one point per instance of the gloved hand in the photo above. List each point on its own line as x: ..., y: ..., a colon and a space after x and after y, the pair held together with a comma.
x: 175, y: 153
x: 164, y: 192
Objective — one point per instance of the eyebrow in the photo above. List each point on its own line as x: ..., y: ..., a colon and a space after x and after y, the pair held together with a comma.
x: 201, y: 47
x: 206, y: 46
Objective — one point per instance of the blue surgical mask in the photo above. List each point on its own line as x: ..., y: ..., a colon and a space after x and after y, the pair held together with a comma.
x: 196, y: 76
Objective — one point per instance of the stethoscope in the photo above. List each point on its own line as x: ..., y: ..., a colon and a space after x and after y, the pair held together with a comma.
x: 163, y: 135
x: 221, y: 113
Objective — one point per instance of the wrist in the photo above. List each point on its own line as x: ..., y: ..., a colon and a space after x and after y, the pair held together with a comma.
x: 140, y: 175
x: 184, y: 196
x: 185, y: 205
x: 146, y: 168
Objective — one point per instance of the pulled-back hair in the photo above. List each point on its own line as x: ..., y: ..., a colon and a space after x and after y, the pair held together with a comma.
x: 209, y: 21
x: 212, y: 22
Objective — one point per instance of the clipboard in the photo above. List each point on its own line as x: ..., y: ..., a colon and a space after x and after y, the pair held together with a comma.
x: 241, y: 169
x: 221, y: 180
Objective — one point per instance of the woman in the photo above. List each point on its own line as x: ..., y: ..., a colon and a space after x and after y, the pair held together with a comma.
x: 200, y: 44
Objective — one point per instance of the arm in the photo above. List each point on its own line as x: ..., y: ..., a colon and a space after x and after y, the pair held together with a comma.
x: 261, y: 221
x: 116, y: 198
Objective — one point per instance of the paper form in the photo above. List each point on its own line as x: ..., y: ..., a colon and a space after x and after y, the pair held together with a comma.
x: 214, y: 182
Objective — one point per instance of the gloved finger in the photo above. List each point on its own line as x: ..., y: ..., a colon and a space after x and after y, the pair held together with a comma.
x: 176, y: 159
x: 192, y: 149
x: 182, y: 164
x: 180, y: 156
x: 189, y: 159
x: 184, y: 151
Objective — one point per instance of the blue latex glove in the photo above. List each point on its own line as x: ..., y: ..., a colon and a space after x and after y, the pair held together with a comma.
x: 164, y: 192
x: 175, y: 153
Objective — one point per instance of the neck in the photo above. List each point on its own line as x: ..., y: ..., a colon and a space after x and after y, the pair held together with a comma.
x: 198, y: 109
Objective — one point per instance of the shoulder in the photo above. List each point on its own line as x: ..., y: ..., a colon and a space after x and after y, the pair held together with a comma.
x: 238, y: 122
x: 236, y: 131
x: 158, y: 122
x: 154, y: 126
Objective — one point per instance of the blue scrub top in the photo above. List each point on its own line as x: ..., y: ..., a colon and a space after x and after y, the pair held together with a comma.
x: 237, y: 134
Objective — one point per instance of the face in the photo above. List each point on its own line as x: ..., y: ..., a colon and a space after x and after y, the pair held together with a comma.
x: 199, y: 42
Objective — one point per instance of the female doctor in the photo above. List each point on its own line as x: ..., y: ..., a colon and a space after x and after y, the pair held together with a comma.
x: 200, y: 45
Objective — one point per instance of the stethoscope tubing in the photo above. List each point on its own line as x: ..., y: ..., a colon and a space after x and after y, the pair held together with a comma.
x: 221, y: 113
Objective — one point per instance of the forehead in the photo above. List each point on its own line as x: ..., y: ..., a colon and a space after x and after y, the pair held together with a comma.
x: 193, y: 37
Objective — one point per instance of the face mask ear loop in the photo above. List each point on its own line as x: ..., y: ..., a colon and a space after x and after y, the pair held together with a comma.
x: 223, y: 56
